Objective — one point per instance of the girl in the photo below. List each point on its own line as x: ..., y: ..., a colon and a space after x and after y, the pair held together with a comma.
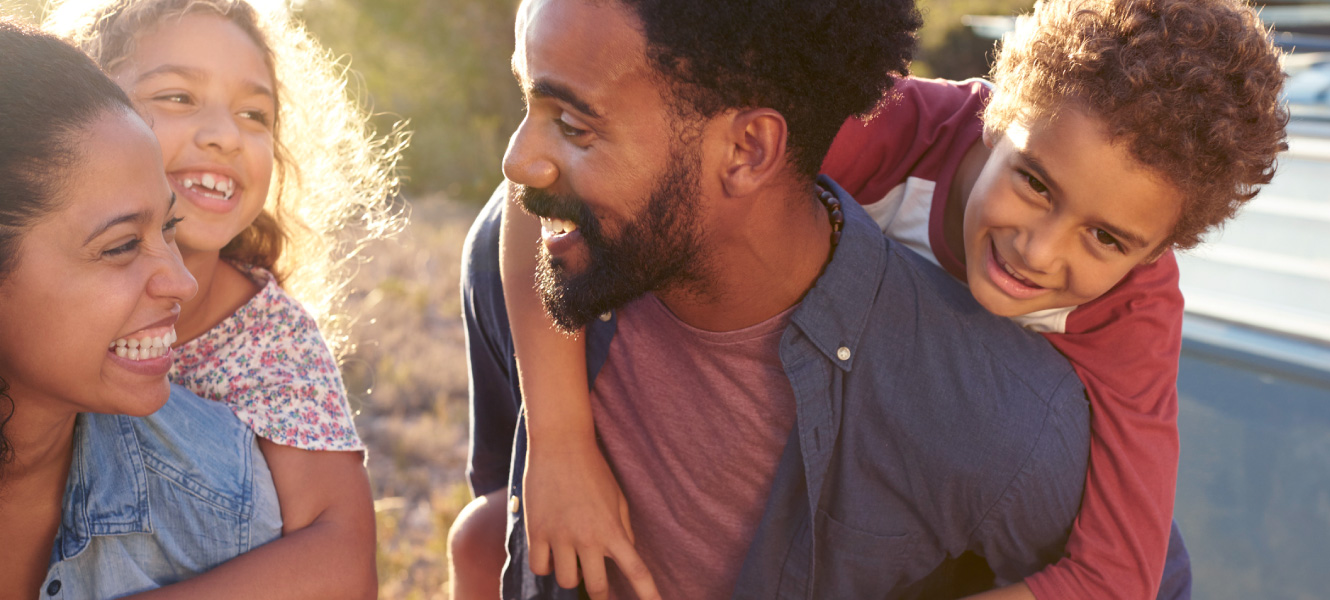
x: 273, y: 164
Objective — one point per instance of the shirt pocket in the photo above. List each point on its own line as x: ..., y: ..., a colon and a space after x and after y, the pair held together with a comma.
x: 852, y: 563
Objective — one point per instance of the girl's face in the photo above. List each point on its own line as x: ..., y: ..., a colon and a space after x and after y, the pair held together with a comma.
x: 203, y: 86
x: 95, y: 277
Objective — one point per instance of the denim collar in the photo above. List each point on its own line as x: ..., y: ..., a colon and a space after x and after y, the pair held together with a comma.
x: 833, y: 313
x: 835, y: 310
x: 107, y: 489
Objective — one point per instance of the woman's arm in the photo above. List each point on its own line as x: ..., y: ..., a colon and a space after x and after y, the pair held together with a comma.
x: 575, y: 511
x: 327, y: 544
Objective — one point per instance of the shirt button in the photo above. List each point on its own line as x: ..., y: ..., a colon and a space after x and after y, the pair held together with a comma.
x: 53, y: 588
x: 843, y: 353
x: 606, y: 316
x: 514, y: 505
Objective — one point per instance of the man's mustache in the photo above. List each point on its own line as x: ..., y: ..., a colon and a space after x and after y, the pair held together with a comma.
x: 543, y: 203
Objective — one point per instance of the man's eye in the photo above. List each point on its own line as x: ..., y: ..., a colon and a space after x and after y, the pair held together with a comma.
x: 568, y: 130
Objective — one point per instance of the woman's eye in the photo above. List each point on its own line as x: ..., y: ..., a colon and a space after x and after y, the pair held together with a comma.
x: 122, y: 249
x: 1034, y: 183
x: 1107, y: 239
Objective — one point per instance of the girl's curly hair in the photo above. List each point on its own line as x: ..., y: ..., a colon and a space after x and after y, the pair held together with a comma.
x: 1190, y: 87
x: 334, y: 179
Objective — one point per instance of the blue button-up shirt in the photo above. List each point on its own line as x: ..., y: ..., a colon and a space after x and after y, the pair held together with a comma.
x: 155, y: 500
x: 934, y: 441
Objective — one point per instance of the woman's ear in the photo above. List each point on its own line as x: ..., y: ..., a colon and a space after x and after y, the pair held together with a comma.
x: 756, y: 141
x: 990, y: 137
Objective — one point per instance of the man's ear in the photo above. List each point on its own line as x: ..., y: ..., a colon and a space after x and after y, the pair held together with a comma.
x: 756, y: 150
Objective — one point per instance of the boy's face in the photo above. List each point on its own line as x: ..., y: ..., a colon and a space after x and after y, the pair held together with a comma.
x: 1059, y: 215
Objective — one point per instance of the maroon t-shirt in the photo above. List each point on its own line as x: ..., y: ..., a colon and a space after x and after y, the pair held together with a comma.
x: 693, y: 423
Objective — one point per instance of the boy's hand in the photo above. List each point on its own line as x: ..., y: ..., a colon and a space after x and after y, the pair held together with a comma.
x: 576, y: 513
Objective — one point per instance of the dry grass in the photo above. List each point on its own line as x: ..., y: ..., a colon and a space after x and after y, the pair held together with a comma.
x: 408, y: 381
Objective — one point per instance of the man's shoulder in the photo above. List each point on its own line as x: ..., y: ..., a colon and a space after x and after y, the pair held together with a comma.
x: 921, y: 304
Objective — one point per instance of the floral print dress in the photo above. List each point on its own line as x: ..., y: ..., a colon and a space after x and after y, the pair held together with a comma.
x: 270, y: 365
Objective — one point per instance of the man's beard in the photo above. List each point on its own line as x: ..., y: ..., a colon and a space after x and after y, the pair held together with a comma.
x: 659, y: 249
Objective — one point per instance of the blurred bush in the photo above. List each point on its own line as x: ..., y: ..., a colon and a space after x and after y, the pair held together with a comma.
x: 947, y: 48
x: 442, y: 64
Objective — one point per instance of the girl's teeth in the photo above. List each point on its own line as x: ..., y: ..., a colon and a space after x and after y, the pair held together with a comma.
x: 209, y: 182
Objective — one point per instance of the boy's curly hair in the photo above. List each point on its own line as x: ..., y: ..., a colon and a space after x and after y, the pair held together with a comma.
x: 1190, y: 87
x: 816, y: 62
x: 334, y: 179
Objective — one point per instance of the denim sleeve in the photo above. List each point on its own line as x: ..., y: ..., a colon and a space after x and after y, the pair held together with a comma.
x: 494, y: 394
x: 1028, y: 526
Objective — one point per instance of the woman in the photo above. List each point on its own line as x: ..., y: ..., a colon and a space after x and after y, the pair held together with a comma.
x: 97, y: 499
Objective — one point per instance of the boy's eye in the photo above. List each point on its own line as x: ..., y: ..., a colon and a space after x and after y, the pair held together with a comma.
x: 1035, y: 184
x: 1106, y: 238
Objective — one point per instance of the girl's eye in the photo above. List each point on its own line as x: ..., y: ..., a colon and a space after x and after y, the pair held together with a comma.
x: 122, y: 249
x: 1107, y: 239
x: 1035, y: 184
x: 174, y: 98
x: 257, y: 116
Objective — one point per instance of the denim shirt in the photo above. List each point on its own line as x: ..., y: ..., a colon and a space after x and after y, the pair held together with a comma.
x: 939, y: 450
x: 155, y: 500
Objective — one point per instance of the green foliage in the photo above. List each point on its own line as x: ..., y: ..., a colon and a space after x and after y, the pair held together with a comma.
x: 442, y: 64
x: 947, y: 48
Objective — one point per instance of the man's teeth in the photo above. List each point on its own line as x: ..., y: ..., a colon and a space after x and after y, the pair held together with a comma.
x: 143, y: 348
x: 217, y: 183
x: 558, y: 226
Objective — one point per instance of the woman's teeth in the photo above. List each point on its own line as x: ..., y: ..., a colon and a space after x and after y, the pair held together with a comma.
x: 143, y: 348
x: 216, y: 183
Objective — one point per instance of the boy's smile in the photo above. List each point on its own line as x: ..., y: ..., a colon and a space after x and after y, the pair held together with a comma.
x: 1059, y: 215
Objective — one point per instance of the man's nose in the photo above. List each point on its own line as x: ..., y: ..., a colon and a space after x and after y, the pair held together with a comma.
x: 526, y: 162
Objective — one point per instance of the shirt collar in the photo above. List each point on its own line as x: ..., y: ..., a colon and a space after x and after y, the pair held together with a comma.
x: 834, y: 312
x: 107, y: 489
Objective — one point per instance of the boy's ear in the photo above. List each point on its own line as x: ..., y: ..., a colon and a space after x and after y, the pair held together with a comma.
x: 755, y: 150
x: 990, y: 137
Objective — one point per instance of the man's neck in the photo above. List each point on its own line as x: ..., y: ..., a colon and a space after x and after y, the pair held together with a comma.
x: 763, y: 260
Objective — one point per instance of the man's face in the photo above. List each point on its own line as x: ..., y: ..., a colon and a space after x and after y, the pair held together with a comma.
x: 601, y: 160
x: 1059, y: 215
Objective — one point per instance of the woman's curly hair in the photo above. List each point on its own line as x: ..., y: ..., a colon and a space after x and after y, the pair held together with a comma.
x: 334, y: 179
x: 1190, y: 87
x: 817, y: 62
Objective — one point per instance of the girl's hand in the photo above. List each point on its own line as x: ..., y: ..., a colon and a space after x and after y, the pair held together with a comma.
x: 576, y: 513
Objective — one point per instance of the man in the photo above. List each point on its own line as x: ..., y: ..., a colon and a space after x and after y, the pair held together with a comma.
x: 793, y: 405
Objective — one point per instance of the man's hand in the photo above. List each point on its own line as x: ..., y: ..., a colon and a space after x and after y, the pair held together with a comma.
x: 575, y: 512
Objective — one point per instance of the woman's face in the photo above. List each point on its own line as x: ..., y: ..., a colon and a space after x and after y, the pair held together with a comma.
x: 202, y: 85
x: 96, y: 276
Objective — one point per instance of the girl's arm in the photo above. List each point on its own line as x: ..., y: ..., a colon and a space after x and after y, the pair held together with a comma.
x: 327, y: 544
x: 575, y: 511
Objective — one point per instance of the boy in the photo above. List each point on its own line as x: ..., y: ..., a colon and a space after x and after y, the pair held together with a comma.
x: 1116, y: 131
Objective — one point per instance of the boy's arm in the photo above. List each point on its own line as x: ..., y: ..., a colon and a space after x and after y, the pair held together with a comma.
x: 575, y: 511
x: 327, y: 544
x: 1124, y: 347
